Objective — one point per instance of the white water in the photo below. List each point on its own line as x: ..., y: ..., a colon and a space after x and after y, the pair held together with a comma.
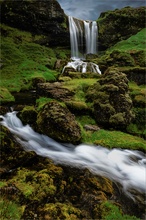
x: 90, y: 36
x: 81, y: 66
x: 124, y: 166
x: 76, y: 37
x: 77, y: 33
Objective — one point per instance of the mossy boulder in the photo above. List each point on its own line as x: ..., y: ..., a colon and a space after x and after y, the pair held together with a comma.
x: 59, y: 123
x: 120, y: 58
x: 135, y: 74
x: 112, y: 103
x: 28, y: 115
x: 119, y: 24
x: 12, y: 153
x: 54, y: 91
x: 38, y: 17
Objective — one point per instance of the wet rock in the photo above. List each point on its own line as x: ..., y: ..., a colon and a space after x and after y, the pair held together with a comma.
x: 58, y: 123
x: 28, y: 115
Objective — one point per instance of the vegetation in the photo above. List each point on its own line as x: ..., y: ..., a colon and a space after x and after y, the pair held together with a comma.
x: 112, y: 212
x: 9, y: 209
x: 23, y: 59
x: 135, y: 42
x: 35, y: 188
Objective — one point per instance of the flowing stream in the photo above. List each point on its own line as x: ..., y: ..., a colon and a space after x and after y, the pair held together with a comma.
x: 126, y: 167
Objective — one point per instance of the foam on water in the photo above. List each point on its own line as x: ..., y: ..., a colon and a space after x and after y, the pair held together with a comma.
x: 127, y: 167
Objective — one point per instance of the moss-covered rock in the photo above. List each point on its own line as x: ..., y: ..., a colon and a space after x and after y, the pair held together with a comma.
x: 54, y: 91
x: 112, y: 103
x: 28, y: 115
x: 45, y: 17
x: 57, y: 122
x: 119, y: 25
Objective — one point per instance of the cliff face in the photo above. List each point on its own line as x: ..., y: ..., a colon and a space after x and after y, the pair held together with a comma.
x: 117, y: 25
x: 38, y: 17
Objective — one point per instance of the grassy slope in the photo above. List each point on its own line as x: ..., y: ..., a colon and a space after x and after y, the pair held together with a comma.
x: 23, y: 59
x: 135, y: 42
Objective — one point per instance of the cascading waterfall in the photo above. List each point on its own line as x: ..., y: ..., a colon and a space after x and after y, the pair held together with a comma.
x: 76, y: 38
x: 128, y: 167
x: 90, y: 36
x: 78, y: 31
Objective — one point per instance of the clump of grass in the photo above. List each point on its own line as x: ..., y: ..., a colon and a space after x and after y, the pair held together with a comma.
x: 5, y: 95
x: 41, y: 102
x: 9, y: 210
x: 111, y: 211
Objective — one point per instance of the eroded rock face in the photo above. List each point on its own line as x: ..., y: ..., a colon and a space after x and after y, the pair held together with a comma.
x: 38, y: 17
x: 119, y: 25
x: 112, y: 103
x: 58, y: 123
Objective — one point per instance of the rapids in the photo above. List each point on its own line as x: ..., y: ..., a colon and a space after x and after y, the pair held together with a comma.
x: 127, y: 167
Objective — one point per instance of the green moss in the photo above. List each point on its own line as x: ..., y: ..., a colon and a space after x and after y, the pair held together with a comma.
x: 110, y: 211
x: 41, y: 102
x: 9, y: 209
x: 28, y: 115
x: 34, y: 185
x: 61, y: 211
x: 135, y: 42
x: 2, y: 184
x: 5, y: 95
x: 112, y: 139
x: 23, y: 60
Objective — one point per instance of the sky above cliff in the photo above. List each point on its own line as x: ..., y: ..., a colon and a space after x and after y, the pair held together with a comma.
x: 91, y: 9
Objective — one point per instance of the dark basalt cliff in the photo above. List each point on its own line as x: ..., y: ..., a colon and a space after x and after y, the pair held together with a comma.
x: 117, y: 25
x: 45, y: 18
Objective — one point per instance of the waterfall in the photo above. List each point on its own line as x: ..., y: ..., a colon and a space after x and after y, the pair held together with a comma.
x: 81, y: 31
x: 128, y: 167
x: 78, y: 32
x: 76, y: 37
x: 90, y: 36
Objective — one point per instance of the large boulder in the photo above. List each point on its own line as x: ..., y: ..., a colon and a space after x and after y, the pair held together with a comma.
x: 119, y: 25
x: 58, y: 123
x: 112, y: 103
x: 38, y: 17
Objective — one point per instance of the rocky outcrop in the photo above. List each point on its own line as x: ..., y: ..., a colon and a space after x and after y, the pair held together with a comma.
x: 119, y: 25
x: 54, y: 90
x: 112, y: 103
x: 59, y: 123
x: 38, y: 17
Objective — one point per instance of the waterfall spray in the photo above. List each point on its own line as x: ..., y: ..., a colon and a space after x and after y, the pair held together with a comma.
x: 127, y: 167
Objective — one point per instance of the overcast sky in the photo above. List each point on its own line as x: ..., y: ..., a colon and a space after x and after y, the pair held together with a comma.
x: 91, y: 9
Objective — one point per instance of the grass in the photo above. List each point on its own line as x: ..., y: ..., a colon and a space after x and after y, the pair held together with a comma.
x: 135, y: 42
x: 23, y: 59
x: 9, y: 210
x: 113, y: 212
x: 79, y: 86
x: 137, y: 90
